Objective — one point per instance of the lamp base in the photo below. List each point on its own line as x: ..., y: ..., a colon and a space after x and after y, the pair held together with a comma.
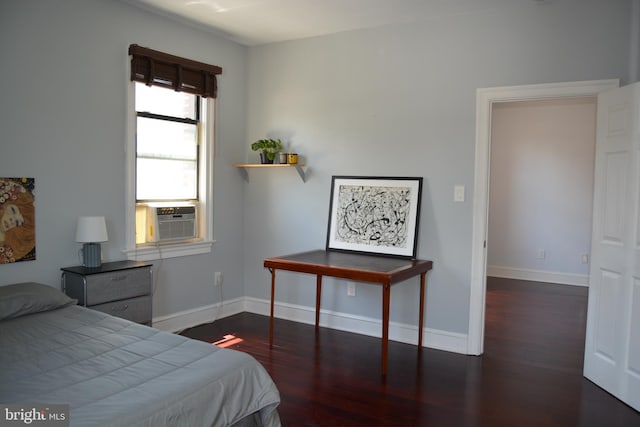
x: 91, y: 255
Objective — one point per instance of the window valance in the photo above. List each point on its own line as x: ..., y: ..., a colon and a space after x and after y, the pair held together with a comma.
x: 162, y: 69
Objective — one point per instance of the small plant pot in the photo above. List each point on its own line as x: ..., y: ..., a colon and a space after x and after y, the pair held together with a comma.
x: 265, y: 160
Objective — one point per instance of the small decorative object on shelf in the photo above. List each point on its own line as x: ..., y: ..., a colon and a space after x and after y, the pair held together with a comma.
x: 292, y: 159
x: 268, y: 149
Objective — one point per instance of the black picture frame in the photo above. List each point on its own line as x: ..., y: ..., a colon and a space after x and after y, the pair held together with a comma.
x: 375, y: 215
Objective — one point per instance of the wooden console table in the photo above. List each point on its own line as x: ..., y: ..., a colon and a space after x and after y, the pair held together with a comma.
x: 365, y: 268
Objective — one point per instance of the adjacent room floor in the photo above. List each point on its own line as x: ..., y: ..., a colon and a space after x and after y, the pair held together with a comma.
x: 530, y: 374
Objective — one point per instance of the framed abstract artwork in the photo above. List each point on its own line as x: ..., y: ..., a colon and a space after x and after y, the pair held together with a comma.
x: 374, y: 215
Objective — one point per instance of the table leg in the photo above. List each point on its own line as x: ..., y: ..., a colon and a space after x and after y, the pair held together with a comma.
x: 421, y: 321
x: 273, y: 291
x: 318, y: 298
x: 386, y: 297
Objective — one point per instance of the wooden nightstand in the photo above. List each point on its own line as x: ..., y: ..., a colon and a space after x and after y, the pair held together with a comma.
x: 121, y: 288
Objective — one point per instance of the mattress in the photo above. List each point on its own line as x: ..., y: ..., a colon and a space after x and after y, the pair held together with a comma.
x: 113, y: 372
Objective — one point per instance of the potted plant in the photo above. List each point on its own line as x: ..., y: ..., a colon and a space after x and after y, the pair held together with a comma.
x: 268, y: 149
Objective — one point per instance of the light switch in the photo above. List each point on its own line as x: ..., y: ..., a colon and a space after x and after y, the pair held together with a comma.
x: 458, y: 193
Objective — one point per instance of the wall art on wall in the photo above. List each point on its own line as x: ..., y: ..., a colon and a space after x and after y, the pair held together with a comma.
x: 374, y: 215
x: 17, y: 220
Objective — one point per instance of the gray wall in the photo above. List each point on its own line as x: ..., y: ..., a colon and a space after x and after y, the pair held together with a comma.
x: 62, y: 120
x: 397, y: 100
x: 400, y: 100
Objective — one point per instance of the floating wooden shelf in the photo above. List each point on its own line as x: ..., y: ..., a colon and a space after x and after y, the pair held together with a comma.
x: 244, y: 166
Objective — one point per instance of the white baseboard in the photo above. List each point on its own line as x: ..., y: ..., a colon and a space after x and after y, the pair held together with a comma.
x: 198, y: 316
x: 431, y: 338
x: 538, y: 275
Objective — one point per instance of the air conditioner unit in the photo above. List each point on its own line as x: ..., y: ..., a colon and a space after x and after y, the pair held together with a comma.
x: 166, y: 223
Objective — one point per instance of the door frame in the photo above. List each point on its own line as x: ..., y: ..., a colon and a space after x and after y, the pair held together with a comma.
x: 485, y: 98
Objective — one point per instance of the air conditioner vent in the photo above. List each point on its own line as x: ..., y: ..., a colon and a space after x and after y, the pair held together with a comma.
x: 166, y: 223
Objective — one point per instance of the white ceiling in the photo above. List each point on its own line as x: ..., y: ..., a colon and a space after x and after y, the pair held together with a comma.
x: 255, y: 22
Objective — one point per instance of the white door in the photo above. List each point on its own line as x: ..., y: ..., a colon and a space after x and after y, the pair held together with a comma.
x: 612, y: 351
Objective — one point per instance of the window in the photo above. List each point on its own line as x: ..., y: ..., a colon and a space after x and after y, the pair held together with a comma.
x: 166, y: 144
x: 169, y: 151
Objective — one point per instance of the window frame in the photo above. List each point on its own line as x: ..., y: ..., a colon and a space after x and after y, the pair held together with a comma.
x: 204, y: 242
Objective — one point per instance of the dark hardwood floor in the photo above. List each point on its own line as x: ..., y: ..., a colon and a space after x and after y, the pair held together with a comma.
x: 529, y: 375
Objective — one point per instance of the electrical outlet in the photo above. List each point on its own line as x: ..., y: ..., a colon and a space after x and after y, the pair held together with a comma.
x: 217, y: 278
x: 584, y: 258
x: 351, y: 289
x: 541, y: 254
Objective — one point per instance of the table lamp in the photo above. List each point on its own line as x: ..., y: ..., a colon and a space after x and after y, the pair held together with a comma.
x: 91, y: 231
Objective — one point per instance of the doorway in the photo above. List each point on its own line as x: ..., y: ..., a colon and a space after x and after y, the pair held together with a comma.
x: 540, y: 221
x: 485, y: 100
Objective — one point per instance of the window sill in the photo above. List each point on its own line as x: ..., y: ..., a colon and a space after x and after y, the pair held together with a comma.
x: 150, y: 253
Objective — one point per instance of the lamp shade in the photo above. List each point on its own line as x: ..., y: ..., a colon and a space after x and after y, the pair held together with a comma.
x: 91, y: 229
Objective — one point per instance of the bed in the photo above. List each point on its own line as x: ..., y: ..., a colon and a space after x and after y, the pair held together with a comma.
x: 113, y: 372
